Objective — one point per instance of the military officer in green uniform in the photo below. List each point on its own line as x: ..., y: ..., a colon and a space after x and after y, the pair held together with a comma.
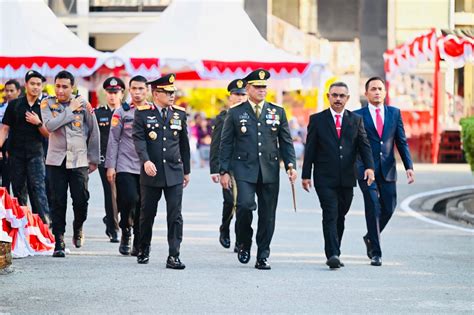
x: 237, y: 94
x: 255, y: 137
x: 161, y: 141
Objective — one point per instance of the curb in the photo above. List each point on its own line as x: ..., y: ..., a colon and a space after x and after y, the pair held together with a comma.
x: 405, y: 206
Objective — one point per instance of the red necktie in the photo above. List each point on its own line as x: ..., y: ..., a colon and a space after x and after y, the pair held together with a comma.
x: 378, y: 122
x: 338, y: 125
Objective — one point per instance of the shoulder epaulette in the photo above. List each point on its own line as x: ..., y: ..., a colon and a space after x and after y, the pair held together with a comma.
x: 144, y: 107
x: 277, y: 105
x: 238, y: 104
x: 179, y: 108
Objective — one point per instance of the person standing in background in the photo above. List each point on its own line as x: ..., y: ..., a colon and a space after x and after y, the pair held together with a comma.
x: 237, y: 94
x: 114, y: 88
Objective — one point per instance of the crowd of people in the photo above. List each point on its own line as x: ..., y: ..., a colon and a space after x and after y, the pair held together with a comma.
x: 145, y: 150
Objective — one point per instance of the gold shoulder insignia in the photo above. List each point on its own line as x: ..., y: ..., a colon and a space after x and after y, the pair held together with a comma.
x: 238, y: 104
x: 277, y: 105
x: 143, y: 107
x: 179, y: 108
x: 44, y: 103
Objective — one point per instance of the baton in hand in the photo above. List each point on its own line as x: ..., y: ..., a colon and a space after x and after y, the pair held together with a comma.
x: 290, y: 168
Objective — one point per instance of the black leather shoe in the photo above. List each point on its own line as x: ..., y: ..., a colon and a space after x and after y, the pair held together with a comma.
x: 262, y: 264
x: 333, y: 262
x: 236, y: 248
x: 244, y: 255
x: 224, y: 239
x: 107, y: 232
x: 143, y: 256
x: 59, y: 247
x: 368, y: 245
x: 113, y: 237
x: 124, y: 247
x: 173, y: 262
x: 78, y: 239
x: 376, y: 261
x: 341, y: 264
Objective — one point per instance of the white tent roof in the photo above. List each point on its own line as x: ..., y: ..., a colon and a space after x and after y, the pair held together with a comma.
x: 32, y: 37
x: 190, y: 32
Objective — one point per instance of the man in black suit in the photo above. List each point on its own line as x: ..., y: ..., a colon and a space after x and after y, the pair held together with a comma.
x: 161, y: 141
x: 237, y: 94
x: 335, y: 137
x: 385, y: 130
x: 254, y: 139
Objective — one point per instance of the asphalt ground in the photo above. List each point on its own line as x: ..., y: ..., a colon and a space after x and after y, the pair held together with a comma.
x: 427, y: 269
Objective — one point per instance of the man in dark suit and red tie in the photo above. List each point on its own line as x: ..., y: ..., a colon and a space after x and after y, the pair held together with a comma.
x: 384, y: 127
x: 335, y: 137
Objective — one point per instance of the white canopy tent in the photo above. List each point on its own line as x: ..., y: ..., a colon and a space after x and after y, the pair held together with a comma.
x: 210, y: 40
x: 32, y: 37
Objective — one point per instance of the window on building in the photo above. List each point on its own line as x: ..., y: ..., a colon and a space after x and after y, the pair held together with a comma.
x: 128, y: 5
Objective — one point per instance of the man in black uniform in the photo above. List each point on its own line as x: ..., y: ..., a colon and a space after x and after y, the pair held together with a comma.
x: 161, y: 140
x: 237, y: 94
x: 23, y: 121
x: 254, y: 138
x: 113, y: 87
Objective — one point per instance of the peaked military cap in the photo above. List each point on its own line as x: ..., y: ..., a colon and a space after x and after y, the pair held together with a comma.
x: 165, y: 83
x: 258, y: 77
x: 113, y: 84
x: 237, y: 86
x: 34, y: 74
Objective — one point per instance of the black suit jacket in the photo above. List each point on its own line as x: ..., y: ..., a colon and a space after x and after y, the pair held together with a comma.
x: 216, y: 142
x: 165, y: 143
x: 252, y: 144
x: 331, y: 158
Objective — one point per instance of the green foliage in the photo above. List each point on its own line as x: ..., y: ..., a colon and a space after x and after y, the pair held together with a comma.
x: 467, y: 125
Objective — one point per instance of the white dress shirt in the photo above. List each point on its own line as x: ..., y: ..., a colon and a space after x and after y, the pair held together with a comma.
x: 333, y: 113
x: 373, y: 114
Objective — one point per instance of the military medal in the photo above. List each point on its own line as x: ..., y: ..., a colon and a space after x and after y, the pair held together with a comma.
x: 243, y: 129
x: 152, y: 135
x: 77, y: 124
x: 175, y: 133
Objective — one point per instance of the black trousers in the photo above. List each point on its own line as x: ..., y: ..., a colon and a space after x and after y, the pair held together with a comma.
x: 149, y: 203
x: 111, y: 218
x: 5, y: 172
x: 267, y: 195
x: 227, y: 211
x: 128, y: 201
x: 335, y: 203
x: 76, y: 179
x: 380, y: 200
x: 29, y: 177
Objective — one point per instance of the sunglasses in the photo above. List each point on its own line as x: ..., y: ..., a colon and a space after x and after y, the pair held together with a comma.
x: 336, y: 95
x: 168, y: 93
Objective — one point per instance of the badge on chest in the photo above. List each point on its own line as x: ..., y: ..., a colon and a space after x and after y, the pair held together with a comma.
x: 272, y: 118
x: 175, y: 122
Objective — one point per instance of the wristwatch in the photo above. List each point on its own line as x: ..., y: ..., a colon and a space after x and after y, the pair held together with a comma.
x: 223, y: 173
x: 39, y: 125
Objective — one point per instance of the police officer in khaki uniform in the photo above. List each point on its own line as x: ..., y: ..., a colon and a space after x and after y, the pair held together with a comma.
x: 237, y: 94
x: 254, y: 139
x: 114, y: 88
x: 73, y: 153
x: 161, y: 140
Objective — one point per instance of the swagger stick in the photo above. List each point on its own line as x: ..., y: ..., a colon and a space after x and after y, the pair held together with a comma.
x: 290, y: 168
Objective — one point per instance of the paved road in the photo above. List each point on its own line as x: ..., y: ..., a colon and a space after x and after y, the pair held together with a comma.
x: 426, y: 268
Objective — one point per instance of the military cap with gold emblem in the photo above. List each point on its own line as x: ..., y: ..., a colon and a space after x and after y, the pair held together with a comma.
x: 165, y: 83
x: 113, y: 84
x: 237, y: 86
x: 258, y: 77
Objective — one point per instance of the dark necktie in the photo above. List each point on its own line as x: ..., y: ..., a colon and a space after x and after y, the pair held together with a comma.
x: 163, y: 113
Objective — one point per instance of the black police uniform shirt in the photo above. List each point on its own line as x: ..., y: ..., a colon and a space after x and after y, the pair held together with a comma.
x: 165, y: 143
x: 103, y: 114
x: 251, y: 146
x: 25, y: 138
x: 216, y: 142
